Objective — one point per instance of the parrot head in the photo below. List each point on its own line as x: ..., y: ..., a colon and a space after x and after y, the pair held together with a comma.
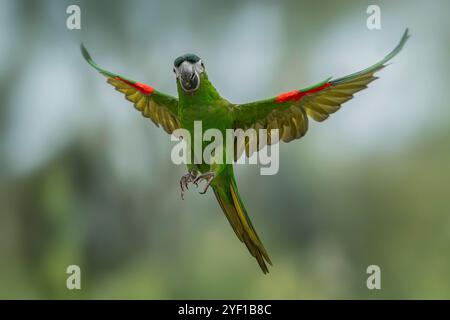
x: 189, y: 70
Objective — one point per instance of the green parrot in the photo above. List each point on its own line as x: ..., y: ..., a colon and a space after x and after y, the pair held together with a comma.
x: 198, y: 100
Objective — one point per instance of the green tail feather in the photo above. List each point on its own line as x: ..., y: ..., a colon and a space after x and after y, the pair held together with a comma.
x: 227, y: 195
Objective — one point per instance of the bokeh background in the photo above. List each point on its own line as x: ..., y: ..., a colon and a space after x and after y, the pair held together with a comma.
x: 85, y: 180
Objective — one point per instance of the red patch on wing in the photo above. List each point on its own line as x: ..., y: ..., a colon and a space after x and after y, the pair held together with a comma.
x: 296, y: 95
x: 142, y: 87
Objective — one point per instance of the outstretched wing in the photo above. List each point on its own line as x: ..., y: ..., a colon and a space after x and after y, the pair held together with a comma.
x: 289, y: 111
x: 162, y: 109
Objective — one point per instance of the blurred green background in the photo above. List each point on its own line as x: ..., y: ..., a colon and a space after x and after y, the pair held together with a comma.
x: 85, y: 180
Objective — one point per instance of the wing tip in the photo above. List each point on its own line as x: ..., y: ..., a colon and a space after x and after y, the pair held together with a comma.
x: 381, y: 64
x: 86, y: 55
x: 88, y: 58
x: 406, y: 35
x: 84, y: 52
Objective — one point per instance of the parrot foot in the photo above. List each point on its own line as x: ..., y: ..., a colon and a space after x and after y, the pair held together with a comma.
x: 185, y: 180
x: 208, y: 176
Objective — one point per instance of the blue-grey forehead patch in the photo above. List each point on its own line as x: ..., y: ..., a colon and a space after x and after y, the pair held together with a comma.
x: 186, y: 57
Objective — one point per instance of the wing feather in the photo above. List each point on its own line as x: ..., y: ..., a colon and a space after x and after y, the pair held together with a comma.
x: 288, y: 112
x: 160, y: 108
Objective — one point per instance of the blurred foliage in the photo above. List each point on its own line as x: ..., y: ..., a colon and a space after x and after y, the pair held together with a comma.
x: 85, y: 180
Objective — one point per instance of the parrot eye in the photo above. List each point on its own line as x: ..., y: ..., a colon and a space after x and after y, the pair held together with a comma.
x: 174, y: 71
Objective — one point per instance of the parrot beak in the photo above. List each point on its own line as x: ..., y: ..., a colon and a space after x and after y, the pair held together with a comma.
x: 189, y: 78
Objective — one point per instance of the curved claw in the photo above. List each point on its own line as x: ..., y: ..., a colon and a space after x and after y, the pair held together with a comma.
x: 184, y: 182
x: 208, y: 176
